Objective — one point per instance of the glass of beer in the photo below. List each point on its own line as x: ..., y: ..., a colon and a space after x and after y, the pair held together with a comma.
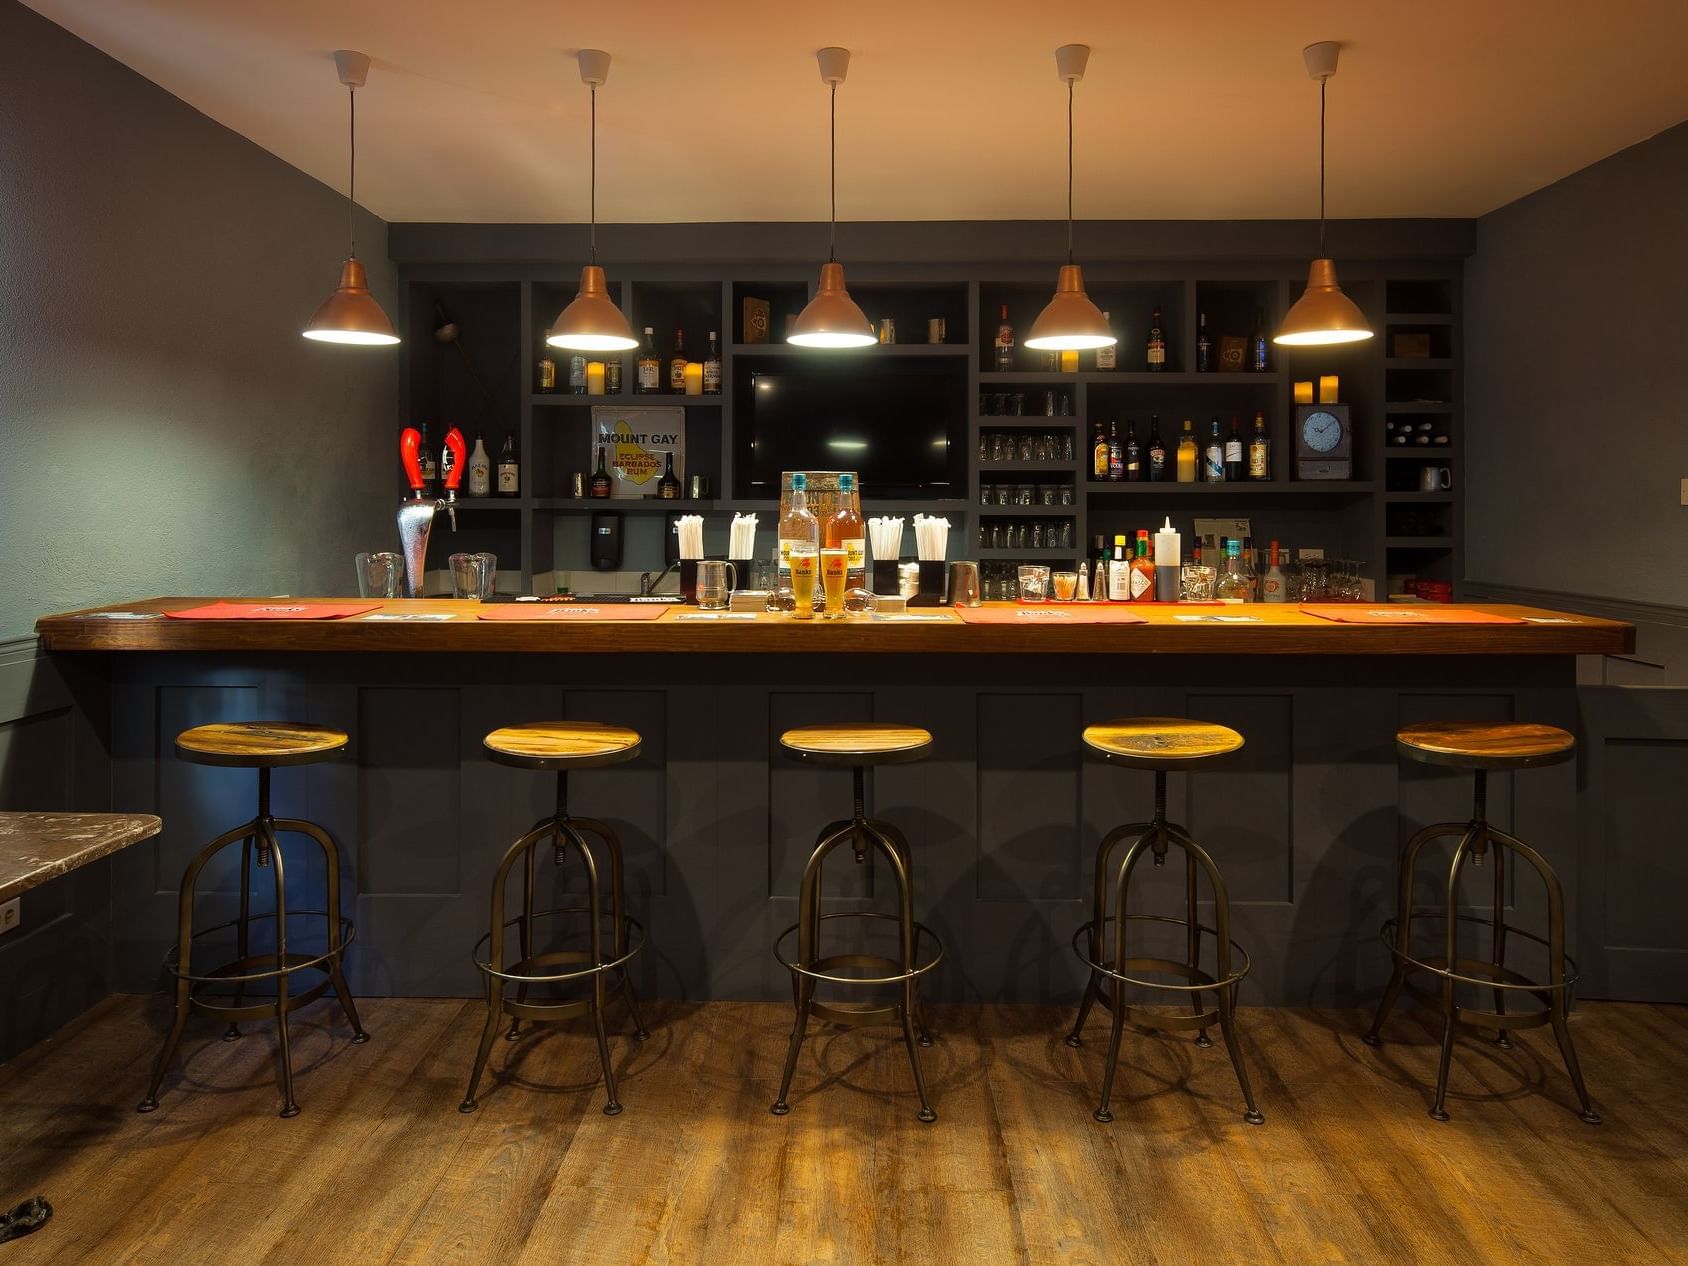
x: 804, y: 565
x: 835, y: 567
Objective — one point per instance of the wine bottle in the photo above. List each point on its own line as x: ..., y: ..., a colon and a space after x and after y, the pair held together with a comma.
x: 1233, y: 453
x: 1213, y: 457
x: 600, y: 477
x: 1004, y: 361
x: 1116, y: 454
x: 649, y: 380
x: 1257, y: 361
x: 712, y: 366
x: 1156, y: 348
x: 1133, y: 454
x: 1204, y: 348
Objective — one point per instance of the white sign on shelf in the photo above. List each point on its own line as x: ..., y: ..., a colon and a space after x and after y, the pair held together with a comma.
x: 637, y: 443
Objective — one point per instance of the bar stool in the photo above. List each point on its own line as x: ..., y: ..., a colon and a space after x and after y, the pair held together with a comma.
x: 260, y: 745
x: 1481, y: 747
x: 858, y: 745
x: 559, y: 746
x: 1160, y: 744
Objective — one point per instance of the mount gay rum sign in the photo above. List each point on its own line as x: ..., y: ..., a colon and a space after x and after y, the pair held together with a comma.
x: 637, y: 443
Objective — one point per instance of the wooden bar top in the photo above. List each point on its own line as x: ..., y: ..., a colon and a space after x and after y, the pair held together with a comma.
x: 37, y: 847
x: 1167, y: 630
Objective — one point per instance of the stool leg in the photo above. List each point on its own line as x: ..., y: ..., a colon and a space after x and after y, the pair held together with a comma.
x: 489, y: 1031
x: 289, y: 1105
x: 1439, y: 1110
x: 894, y: 836
x: 799, y: 1030
x: 1194, y: 940
x: 903, y: 872
x: 1225, y: 996
x: 1102, y: 1113
x: 1098, y: 937
x: 521, y: 850
x: 524, y: 930
x: 808, y: 938
x: 595, y: 914
x: 1403, y: 922
x: 1122, y: 887
x: 618, y: 909
x: 1227, y: 1001
x: 241, y: 940
x: 336, y: 969
x: 1498, y: 926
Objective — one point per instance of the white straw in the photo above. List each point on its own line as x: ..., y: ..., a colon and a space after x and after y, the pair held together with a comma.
x: 691, y: 535
x: 886, y: 536
x: 742, y: 539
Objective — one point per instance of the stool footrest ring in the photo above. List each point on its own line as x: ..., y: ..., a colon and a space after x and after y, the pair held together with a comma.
x: 895, y: 974
x: 1200, y: 981
x: 1494, y: 976
x: 631, y: 930
x: 226, y: 975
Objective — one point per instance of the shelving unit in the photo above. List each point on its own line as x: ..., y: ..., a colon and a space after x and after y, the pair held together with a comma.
x: 1380, y: 515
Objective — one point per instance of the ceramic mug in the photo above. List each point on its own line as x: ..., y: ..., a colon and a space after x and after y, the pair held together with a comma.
x: 1435, y: 479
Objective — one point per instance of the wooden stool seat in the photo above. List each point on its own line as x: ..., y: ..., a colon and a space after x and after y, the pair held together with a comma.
x: 563, y: 745
x: 1485, y: 745
x: 857, y: 743
x: 259, y: 744
x: 1160, y: 742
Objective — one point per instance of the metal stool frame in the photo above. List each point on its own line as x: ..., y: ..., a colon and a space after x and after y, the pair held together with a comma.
x: 258, y: 837
x: 1115, y: 964
x: 562, y: 829
x: 811, y: 966
x: 1475, y: 838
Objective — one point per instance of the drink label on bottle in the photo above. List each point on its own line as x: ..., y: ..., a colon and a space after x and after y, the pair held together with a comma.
x: 677, y: 376
x: 577, y: 373
x: 508, y: 478
x: 1004, y: 337
x: 1214, y: 467
x: 1157, y: 352
x: 1234, y: 451
x: 1157, y: 463
x: 1257, y: 461
x: 855, y: 552
x: 711, y: 377
x: 648, y: 373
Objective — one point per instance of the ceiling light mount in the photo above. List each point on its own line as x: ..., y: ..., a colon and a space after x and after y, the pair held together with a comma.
x: 1321, y: 59
x: 835, y: 65
x: 594, y: 67
x: 352, y: 67
x: 1070, y: 62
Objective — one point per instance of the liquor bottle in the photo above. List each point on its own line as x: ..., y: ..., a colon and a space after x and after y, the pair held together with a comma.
x: 1133, y: 454
x: 845, y: 531
x: 1156, y: 348
x: 509, y: 470
x: 800, y: 532
x: 1116, y: 454
x: 1004, y: 361
x: 547, y: 382
x: 1187, y: 457
x: 1250, y: 571
x: 1257, y: 361
x: 1233, y: 585
x: 600, y: 477
x: 1213, y: 457
x: 668, y: 487
x: 1119, y: 573
x: 1260, y: 450
x: 1107, y: 357
x: 649, y: 380
x: 1272, y: 588
x: 480, y: 471
x: 677, y: 365
x: 1233, y: 453
x: 577, y: 375
x: 430, y: 466
x: 1157, y: 451
x: 612, y: 376
x: 1204, y: 348
x: 712, y: 366
x: 1142, y: 570
x: 1099, y: 454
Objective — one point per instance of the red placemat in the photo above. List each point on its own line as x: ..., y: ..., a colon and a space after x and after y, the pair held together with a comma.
x: 1359, y: 613
x: 1060, y: 614
x: 273, y: 611
x: 574, y: 612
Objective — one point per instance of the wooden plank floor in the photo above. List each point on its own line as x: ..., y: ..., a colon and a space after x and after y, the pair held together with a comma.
x: 381, y: 1167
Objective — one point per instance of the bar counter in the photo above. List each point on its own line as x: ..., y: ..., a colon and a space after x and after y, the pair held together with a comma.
x: 1003, y: 816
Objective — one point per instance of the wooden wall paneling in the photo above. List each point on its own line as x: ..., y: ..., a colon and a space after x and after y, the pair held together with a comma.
x: 745, y: 916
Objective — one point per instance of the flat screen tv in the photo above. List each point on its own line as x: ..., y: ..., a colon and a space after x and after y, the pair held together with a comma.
x: 900, y: 424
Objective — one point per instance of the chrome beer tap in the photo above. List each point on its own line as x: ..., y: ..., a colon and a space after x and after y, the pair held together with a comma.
x: 416, y: 512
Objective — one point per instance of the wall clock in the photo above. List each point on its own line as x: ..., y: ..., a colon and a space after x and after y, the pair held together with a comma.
x: 1324, y: 442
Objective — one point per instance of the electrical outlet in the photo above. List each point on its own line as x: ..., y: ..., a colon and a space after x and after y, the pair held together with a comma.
x: 11, y: 914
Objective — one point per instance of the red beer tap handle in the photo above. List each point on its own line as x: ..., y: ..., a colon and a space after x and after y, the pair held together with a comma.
x: 459, y: 458
x: 410, y: 453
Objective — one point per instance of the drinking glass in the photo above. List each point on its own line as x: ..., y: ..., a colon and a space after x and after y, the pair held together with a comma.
x: 380, y: 575
x: 996, y: 446
x: 1197, y: 583
x: 1037, y: 534
x: 1047, y: 495
x: 1066, y: 585
x: 804, y: 566
x: 1026, y: 448
x: 1040, y: 449
x: 473, y: 575
x: 1014, y: 403
x: 1034, y: 584
x: 1067, y: 446
x: 835, y: 566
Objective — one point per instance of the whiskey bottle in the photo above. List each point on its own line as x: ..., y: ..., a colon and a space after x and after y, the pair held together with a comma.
x: 1004, y: 360
x: 1188, y: 459
x: 1116, y: 454
x: 600, y: 477
x: 1133, y: 454
x: 649, y: 380
x: 1257, y: 361
x: 668, y: 487
x: 547, y: 382
x: 1233, y: 453
x: 1156, y: 348
x: 1107, y: 357
x: 677, y: 365
x: 1213, y: 457
x: 1157, y: 451
x: 1099, y: 454
x: 612, y: 376
x: 509, y: 470
x: 1204, y: 348
x: 712, y: 366
x: 1260, y: 450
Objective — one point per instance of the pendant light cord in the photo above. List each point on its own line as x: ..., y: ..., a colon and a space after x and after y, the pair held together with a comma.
x: 594, y: 195
x: 352, y: 179
x: 1069, y: 171
x: 1322, y: 83
x: 832, y: 241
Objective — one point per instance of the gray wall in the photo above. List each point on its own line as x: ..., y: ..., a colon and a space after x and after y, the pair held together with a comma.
x: 1574, y: 332
x: 166, y: 430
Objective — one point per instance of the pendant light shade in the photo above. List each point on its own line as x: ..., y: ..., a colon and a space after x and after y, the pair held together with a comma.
x: 831, y: 318
x: 350, y: 314
x: 1323, y: 315
x: 1070, y: 322
x: 592, y: 322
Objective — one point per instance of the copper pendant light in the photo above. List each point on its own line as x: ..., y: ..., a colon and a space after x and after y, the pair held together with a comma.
x: 831, y: 318
x: 1070, y: 321
x: 592, y: 322
x: 350, y: 314
x: 1323, y: 315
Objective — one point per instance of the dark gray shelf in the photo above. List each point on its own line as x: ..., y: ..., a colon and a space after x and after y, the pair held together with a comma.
x: 1241, y: 488
x: 873, y: 349
x: 1418, y: 542
x: 1418, y: 318
x: 565, y: 399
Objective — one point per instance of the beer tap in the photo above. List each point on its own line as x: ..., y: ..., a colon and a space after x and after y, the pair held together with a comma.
x: 416, y: 512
